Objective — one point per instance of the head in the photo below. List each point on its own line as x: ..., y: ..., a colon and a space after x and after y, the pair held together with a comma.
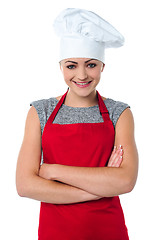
x: 84, y: 36
x: 82, y: 75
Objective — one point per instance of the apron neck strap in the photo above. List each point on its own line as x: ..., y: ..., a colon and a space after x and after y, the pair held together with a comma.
x: 102, y: 107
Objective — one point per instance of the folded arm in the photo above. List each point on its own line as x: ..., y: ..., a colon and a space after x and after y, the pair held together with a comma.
x: 29, y: 183
x: 106, y: 181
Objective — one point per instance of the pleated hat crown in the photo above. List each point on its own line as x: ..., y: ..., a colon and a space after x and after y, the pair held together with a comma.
x: 84, y: 34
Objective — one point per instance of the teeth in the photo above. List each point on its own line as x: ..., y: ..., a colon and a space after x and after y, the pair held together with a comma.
x: 81, y: 83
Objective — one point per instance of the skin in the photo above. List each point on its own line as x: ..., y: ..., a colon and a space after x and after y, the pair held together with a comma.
x: 77, y: 184
x: 81, y: 70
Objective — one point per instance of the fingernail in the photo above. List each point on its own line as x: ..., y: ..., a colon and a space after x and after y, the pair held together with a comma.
x: 114, y: 149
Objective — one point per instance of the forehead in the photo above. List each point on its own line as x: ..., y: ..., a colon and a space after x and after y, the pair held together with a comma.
x: 78, y: 60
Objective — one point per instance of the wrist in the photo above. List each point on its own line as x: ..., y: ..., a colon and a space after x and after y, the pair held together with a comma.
x: 90, y: 197
x: 48, y: 171
x: 54, y: 171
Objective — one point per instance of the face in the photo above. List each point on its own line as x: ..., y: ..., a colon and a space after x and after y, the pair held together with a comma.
x: 81, y: 74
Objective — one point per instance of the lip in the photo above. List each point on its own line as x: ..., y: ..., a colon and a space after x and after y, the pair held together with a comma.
x: 82, y: 86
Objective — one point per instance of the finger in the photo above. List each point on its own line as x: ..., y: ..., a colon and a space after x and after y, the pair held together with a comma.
x: 111, y: 159
x: 118, y: 157
x: 115, y: 157
x: 119, y: 161
x: 115, y: 154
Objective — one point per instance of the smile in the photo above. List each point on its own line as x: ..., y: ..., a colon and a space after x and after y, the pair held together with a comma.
x: 82, y: 84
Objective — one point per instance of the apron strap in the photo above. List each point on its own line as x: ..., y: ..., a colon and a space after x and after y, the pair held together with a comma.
x: 102, y: 108
x: 60, y: 102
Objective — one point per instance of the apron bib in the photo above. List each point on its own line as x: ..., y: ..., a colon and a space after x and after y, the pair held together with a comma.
x: 84, y: 145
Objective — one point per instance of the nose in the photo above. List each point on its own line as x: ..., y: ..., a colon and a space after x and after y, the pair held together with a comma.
x: 82, y: 74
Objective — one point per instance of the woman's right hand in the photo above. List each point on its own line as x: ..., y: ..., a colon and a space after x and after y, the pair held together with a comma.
x: 116, y: 157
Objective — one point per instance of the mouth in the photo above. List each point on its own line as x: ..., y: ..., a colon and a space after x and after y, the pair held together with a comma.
x: 82, y: 84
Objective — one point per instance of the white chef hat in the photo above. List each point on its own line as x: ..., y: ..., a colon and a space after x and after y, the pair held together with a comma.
x: 84, y: 34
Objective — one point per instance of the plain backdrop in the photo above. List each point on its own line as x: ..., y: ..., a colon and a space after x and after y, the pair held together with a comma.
x: 29, y: 71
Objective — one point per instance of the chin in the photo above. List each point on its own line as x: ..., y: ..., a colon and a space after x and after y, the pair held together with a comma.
x: 84, y: 92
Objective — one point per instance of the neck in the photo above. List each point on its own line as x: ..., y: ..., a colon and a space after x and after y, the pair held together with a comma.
x: 74, y: 100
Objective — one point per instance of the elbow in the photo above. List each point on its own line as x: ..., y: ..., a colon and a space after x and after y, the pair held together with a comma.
x: 19, y: 185
x: 129, y: 181
x: 21, y: 188
x: 129, y: 185
x: 24, y: 185
x: 20, y: 192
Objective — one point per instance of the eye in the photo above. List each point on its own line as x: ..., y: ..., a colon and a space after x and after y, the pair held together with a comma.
x: 91, y: 65
x: 71, y: 66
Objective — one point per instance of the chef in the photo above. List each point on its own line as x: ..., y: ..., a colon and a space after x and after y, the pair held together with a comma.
x: 79, y: 153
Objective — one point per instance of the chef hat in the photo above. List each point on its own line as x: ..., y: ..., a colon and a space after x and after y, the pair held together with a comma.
x: 84, y: 34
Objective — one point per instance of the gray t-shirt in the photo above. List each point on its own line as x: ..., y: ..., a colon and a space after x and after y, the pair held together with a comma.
x: 71, y: 115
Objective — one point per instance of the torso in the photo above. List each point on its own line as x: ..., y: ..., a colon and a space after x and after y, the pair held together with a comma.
x: 74, y: 139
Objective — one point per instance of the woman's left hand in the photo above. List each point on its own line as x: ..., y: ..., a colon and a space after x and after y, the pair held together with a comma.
x: 116, y: 157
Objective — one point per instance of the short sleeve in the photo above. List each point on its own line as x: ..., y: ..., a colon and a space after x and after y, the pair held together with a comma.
x: 44, y: 108
x: 40, y: 108
x: 118, y: 110
x: 115, y: 109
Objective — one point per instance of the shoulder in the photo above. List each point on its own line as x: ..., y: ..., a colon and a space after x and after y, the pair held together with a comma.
x: 44, y: 103
x: 115, y: 109
x: 32, y: 126
x: 44, y: 108
x: 126, y: 121
x: 58, y: 98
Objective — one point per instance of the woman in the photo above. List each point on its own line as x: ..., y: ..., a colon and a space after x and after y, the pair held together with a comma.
x: 89, y: 152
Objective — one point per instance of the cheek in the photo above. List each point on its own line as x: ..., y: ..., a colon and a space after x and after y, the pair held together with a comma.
x: 96, y: 74
x: 67, y: 75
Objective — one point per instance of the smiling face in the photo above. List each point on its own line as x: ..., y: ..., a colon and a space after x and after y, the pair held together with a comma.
x: 81, y: 74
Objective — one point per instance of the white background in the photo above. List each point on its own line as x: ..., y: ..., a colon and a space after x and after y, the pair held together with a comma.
x: 29, y: 71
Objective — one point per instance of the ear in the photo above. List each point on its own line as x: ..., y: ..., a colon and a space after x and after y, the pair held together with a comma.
x: 60, y: 65
x: 102, y: 67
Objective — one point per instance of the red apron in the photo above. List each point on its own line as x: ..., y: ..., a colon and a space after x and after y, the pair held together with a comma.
x: 85, y: 145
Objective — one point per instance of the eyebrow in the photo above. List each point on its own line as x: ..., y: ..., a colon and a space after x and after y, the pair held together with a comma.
x: 77, y: 63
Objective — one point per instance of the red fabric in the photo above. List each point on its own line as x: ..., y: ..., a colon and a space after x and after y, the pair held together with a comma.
x: 86, y: 145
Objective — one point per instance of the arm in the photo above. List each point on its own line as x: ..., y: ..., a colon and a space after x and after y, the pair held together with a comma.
x: 29, y: 183
x: 106, y: 181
